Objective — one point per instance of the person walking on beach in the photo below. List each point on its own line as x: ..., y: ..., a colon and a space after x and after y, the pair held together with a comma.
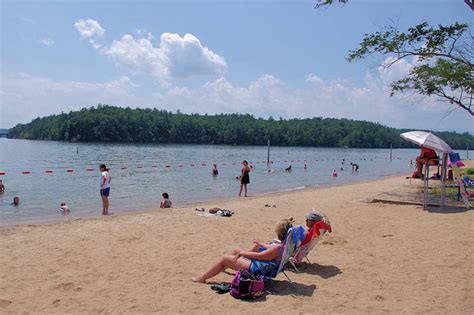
x: 244, y: 178
x: 105, y: 179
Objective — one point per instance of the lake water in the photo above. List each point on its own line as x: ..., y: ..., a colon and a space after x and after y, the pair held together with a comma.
x: 141, y: 173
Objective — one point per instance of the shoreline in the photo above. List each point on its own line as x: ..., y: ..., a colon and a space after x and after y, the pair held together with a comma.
x: 64, y: 219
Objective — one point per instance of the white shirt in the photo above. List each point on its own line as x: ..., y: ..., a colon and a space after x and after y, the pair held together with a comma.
x: 105, y: 175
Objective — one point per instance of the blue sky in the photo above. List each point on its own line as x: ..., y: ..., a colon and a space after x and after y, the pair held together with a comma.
x: 279, y: 58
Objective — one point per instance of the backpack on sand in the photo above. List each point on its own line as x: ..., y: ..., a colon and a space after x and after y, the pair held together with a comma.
x: 246, y: 285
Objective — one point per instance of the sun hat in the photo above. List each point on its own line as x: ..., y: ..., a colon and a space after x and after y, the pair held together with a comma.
x: 314, y: 215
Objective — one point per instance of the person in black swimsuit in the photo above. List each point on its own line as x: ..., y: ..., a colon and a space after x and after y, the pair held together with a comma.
x: 244, y: 178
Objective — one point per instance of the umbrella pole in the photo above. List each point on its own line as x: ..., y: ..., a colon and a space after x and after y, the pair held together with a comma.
x: 443, y: 180
x: 425, y: 186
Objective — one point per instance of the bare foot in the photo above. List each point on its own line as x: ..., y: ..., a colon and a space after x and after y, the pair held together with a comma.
x: 198, y: 279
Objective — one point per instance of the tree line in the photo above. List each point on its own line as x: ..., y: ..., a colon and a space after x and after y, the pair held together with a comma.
x: 115, y: 124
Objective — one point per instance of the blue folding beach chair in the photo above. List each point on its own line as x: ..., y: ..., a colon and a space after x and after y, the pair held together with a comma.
x: 286, y: 252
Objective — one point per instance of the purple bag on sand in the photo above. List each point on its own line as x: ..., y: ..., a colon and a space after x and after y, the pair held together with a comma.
x: 246, y: 285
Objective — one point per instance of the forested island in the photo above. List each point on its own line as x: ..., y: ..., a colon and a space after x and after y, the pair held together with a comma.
x: 117, y: 124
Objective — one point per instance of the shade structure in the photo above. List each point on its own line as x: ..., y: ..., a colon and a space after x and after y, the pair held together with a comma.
x: 427, y: 139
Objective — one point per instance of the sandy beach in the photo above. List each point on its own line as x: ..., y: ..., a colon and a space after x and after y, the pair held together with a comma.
x: 380, y: 258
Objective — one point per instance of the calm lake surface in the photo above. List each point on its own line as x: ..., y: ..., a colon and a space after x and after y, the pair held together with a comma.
x: 141, y: 173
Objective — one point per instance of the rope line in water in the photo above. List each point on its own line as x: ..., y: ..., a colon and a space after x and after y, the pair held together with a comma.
x: 181, y: 165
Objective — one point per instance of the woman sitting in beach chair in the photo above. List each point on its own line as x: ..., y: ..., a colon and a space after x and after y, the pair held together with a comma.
x: 262, y: 262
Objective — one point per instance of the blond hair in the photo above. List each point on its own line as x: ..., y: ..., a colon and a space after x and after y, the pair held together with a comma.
x: 282, y: 228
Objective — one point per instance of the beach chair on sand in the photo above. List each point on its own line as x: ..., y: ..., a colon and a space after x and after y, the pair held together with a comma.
x: 286, y: 252
x: 318, y: 230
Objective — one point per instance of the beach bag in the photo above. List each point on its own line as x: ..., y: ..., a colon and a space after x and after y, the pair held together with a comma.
x: 246, y: 285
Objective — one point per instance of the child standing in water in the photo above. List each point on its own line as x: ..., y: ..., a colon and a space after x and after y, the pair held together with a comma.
x: 104, y: 188
x: 65, y: 208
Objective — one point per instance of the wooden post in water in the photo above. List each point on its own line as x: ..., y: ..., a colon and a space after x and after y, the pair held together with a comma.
x: 268, y: 154
x: 390, y: 151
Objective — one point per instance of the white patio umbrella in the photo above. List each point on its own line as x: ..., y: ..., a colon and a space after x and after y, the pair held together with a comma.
x: 429, y: 140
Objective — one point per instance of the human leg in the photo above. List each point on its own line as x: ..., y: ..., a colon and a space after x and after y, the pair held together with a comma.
x: 254, y: 248
x: 226, y: 261
x: 104, y: 204
x: 419, y: 165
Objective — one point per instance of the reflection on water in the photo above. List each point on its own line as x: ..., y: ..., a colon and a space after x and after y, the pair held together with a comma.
x: 140, y: 174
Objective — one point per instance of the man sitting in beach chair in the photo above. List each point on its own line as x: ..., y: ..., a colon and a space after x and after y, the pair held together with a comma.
x: 427, y: 156
x: 318, y: 225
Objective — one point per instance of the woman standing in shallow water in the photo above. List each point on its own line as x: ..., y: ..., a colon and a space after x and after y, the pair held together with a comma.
x: 244, y: 178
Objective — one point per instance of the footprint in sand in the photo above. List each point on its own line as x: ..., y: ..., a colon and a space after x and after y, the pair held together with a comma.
x: 5, y: 303
x: 335, y: 241
x: 65, y: 286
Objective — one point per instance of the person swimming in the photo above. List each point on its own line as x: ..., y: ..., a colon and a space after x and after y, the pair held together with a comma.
x: 16, y: 201
x: 215, y: 171
x: 355, y: 167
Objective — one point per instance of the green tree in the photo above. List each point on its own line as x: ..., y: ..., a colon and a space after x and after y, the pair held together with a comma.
x: 116, y: 124
x: 445, y: 56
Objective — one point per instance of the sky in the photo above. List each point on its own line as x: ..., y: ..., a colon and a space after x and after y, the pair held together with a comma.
x: 266, y: 58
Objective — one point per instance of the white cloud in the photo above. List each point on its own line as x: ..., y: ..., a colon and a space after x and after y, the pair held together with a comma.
x: 175, y: 57
x: 313, y: 79
x: 138, y: 55
x: 46, y: 41
x: 25, y: 97
x: 391, y: 71
x: 89, y: 28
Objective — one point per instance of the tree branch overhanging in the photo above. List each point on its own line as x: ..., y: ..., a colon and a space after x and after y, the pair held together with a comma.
x: 444, y: 62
